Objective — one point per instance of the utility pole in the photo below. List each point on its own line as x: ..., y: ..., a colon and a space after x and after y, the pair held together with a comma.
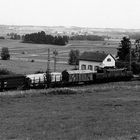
x: 55, y: 54
x: 48, y: 62
x: 130, y: 57
x: 48, y: 76
x: 137, y: 49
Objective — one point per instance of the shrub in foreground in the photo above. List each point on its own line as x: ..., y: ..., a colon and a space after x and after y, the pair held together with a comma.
x: 136, y: 68
x: 61, y: 91
x: 5, y: 53
x: 5, y: 72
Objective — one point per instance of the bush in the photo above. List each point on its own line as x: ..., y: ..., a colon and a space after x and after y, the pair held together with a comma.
x: 23, y: 52
x: 136, y: 68
x: 121, y: 64
x: 5, y: 53
x: 5, y: 72
x: 62, y: 91
x: 32, y: 60
x: 1, y: 37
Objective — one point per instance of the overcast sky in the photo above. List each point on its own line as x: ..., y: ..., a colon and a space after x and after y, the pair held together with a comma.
x: 84, y: 13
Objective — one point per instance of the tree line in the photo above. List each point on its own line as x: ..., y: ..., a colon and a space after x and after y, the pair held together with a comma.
x: 43, y: 38
x: 87, y: 37
x: 14, y: 36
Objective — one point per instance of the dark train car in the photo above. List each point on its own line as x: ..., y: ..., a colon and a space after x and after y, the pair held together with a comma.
x: 112, y: 75
x: 129, y: 75
x: 100, y: 77
x: 115, y: 74
x: 77, y: 76
x: 119, y: 74
x: 13, y: 82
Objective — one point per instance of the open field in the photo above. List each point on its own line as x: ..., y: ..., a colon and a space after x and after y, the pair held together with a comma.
x: 23, y: 53
x: 27, y: 67
x: 97, y: 112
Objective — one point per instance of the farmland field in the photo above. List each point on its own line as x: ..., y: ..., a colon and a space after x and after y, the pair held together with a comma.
x: 29, y: 58
x: 96, y: 112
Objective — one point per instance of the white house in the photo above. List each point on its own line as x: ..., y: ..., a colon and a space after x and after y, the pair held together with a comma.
x: 93, y: 60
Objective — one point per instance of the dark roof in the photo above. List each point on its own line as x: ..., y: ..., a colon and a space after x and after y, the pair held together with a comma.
x: 93, y: 56
x: 12, y: 76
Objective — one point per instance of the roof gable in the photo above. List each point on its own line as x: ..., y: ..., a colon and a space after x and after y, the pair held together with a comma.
x: 93, y: 56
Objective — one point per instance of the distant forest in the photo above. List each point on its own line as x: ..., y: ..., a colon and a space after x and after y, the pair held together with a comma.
x: 87, y: 37
x: 43, y: 38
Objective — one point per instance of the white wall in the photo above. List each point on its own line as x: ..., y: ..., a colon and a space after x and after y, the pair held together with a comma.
x: 87, y: 63
x: 105, y: 63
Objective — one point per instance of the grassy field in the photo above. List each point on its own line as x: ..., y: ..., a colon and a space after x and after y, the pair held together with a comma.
x: 23, y: 53
x: 96, y: 112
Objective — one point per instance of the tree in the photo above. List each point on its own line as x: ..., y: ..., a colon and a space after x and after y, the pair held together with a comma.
x: 137, y: 49
x: 74, y: 57
x: 124, y: 49
x: 5, y: 53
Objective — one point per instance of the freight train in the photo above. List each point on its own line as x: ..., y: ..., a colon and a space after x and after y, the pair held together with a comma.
x: 63, y: 78
x: 88, y: 76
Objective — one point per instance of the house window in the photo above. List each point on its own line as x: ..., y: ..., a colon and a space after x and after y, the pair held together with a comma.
x: 95, y: 68
x: 90, y: 67
x: 108, y: 60
x: 83, y: 67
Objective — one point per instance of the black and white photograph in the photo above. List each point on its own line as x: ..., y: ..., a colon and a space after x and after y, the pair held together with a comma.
x: 69, y: 70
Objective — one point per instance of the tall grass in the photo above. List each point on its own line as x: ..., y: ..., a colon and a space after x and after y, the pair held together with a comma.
x: 95, y: 88
x: 35, y: 93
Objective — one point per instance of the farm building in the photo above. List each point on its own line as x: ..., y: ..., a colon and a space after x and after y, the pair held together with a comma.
x: 93, y: 60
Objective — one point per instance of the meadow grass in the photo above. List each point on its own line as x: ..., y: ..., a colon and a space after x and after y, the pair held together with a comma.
x: 99, y: 112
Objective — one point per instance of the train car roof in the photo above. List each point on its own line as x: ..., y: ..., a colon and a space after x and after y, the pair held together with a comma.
x: 11, y: 76
x: 38, y: 74
x: 55, y: 73
x: 116, y: 69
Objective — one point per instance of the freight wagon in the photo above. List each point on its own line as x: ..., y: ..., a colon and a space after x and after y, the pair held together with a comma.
x: 112, y: 75
x: 88, y: 76
x: 37, y: 80
x: 13, y: 82
x: 77, y: 76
